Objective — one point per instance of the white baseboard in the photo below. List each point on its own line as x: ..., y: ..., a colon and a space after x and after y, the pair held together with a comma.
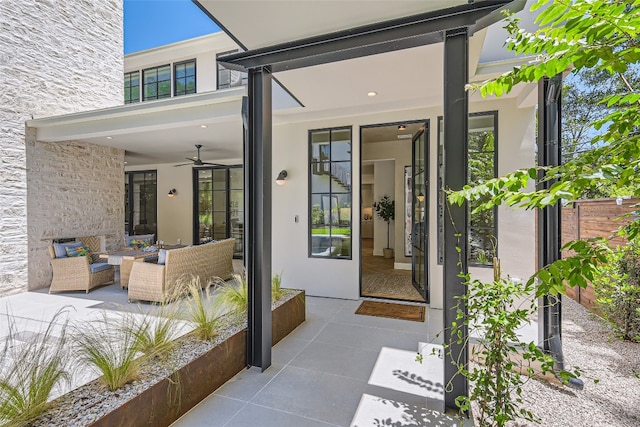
x: 402, y: 265
x: 377, y: 252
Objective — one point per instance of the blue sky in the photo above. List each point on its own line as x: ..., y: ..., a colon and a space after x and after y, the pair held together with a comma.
x: 152, y: 23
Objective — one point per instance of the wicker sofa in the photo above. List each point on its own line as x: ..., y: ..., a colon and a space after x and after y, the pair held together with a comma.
x: 156, y: 282
x: 77, y: 273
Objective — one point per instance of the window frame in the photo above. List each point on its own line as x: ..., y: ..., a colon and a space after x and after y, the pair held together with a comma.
x: 130, y: 87
x: 244, y: 79
x: 440, y: 182
x: 156, y: 83
x: 175, y: 77
x: 129, y: 177
x: 310, y: 194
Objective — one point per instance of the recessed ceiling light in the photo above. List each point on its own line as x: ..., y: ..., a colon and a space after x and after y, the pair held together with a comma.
x: 109, y: 137
x: 372, y: 93
x: 203, y: 126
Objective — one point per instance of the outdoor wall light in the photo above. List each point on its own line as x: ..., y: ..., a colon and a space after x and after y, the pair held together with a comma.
x: 420, y: 197
x: 282, y: 177
x: 402, y: 127
x: 172, y: 192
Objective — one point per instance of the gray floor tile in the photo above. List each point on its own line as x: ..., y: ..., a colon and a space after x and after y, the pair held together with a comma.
x: 324, y: 308
x: 347, y: 315
x: 248, y: 382
x: 287, y: 349
x: 271, y: 418
x: 214, y: 411
x: 308, y: 330
x: 317, y: 395
x: 368, y: 338
x: 338, y: 360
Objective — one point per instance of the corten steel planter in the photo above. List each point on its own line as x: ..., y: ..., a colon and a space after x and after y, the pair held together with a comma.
x: 169, y: 399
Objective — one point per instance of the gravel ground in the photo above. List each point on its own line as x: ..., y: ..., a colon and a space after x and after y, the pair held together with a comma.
x: 610, y: 372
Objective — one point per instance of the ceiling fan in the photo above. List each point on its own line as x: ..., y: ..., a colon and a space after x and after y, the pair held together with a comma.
x: 197, y: 161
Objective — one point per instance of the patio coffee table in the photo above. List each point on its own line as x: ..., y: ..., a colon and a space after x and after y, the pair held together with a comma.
x: 125, y: 259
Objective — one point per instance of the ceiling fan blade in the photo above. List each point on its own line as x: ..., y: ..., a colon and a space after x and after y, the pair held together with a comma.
x: 183, y: 164
x: 191, y: 159
x: 212, y: 164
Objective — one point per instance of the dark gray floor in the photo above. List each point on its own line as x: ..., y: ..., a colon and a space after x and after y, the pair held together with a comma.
x: 336, y: 369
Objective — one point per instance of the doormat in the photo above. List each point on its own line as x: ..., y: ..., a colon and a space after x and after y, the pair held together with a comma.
x: 415, y: 313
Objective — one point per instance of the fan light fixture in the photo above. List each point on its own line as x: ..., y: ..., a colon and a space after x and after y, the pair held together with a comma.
x: 282, y: 177
x: 172, y: 192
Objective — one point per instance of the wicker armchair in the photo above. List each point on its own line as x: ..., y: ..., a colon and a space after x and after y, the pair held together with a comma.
x: 156, y: 282
x: 76, y: 273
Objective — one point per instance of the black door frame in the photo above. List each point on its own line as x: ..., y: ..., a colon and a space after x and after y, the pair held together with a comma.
x: 398, y: 123
x: 425, y: 130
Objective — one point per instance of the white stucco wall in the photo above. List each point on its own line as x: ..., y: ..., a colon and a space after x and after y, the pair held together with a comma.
x: 384, y: 185
x: 339, y: 277
x: 175, y: 214
x: 203, y: 49
x: 56, y: 57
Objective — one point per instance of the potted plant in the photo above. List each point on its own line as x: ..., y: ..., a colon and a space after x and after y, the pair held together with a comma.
x: 386, y: 209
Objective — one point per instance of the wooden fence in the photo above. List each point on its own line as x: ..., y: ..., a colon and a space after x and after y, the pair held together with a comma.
x: 593, y: 218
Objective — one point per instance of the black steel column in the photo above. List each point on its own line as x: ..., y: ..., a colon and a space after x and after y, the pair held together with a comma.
x: 257, y: 227
x: 549, y: 237
x: 456, y: 133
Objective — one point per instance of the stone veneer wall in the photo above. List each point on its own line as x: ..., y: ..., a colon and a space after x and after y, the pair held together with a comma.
x: 74, y: 189
x: 56, y: 57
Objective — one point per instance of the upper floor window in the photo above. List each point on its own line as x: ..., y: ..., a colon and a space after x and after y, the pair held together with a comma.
x: 157, y: 82
x: 330, y: 193
x: 184, y: 77
x: 230, y: 78
x: 132, y: 87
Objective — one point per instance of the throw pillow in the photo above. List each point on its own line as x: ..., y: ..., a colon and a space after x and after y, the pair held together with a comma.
x: 139, y: 244
x: 162, y: 256
x: 60, y: 249
x: 79, y: 251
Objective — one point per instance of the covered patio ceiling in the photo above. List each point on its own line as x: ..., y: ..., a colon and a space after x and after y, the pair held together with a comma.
x: 165, y: 131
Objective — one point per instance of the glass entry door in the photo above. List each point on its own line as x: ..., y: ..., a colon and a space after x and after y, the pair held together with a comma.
x: 419, y: 203
x: 219, y: 210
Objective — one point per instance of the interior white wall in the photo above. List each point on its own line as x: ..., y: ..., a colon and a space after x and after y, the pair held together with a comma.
x: 175, y: 214
x: 384, y: 185
x: 400, y: 150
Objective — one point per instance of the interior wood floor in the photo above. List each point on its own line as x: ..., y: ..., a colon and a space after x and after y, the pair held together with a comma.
x: 381, y: 280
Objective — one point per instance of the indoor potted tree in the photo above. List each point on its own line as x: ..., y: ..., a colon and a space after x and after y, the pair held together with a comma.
x: 386, y: 209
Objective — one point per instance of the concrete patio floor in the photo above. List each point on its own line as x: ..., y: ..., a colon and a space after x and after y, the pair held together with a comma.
x: 336, y: 369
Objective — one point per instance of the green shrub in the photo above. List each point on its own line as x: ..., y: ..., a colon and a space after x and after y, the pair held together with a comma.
x: 155, y: 335
x: 31, y: 370
x: 617, y: 289
x: 276, y: 287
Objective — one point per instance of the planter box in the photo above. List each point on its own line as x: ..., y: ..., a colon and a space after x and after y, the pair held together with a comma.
x: 169, y: 399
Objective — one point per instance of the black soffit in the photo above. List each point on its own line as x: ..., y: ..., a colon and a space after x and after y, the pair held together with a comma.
x: 382, y: 37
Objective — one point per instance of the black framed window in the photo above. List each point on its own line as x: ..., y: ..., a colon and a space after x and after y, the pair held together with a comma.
x: 184, y: 77
x: 330, y: 195
x: 219, y: 211
x: 157, y: 82
x: 132, y: 87
x: 140, y: 202
x: 230, y: 78
x: 482, y: 166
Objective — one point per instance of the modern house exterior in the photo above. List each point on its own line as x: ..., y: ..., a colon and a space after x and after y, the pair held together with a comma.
x: 347, y: 130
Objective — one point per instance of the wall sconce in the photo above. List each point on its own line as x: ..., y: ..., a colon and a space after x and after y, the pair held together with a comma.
x: 172, y: 192
x: 420, y: 197
x: 282, y: 177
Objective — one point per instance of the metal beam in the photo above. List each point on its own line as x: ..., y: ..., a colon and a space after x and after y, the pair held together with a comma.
x: 257, y: 227
x: 549, y: 236
x: 396, y: 34
x: 456, y: 134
